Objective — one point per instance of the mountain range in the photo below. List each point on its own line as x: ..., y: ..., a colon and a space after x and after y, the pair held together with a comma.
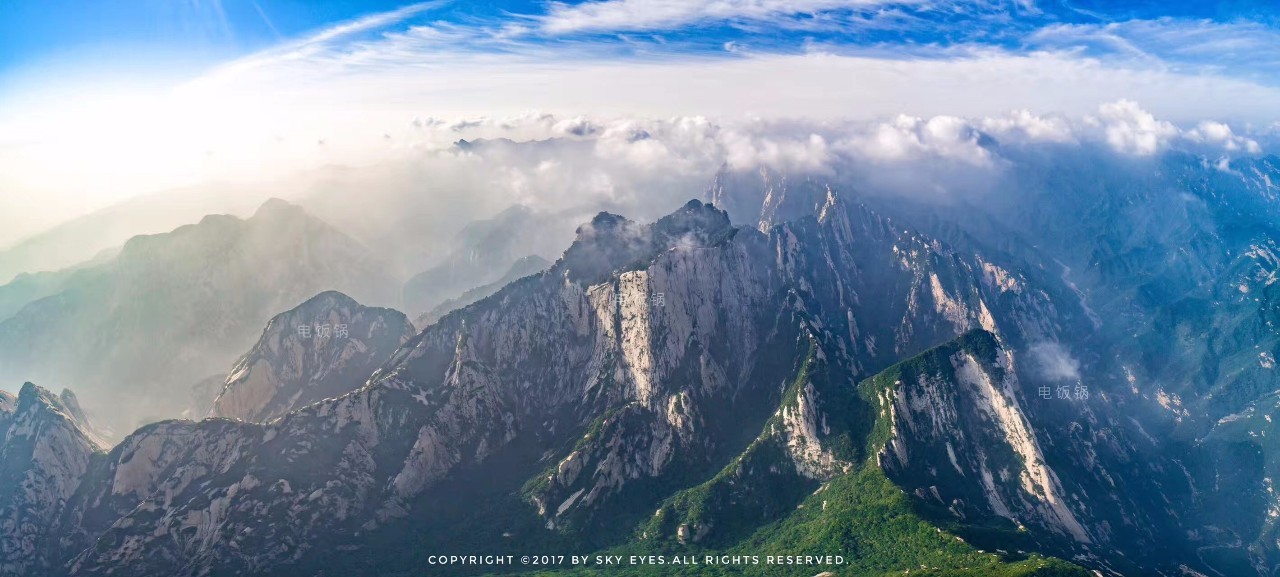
x: 171, y: 309
x: 1067, y: 376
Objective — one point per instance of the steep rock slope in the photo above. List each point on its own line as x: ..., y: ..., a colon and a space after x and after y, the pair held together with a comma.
x: 177, y: 307
x: 813, y: 482
x: 44, y: 454
x: 871, y: 292
x: 324, y: 347
x: 1163, y: 271
x: 960, y: 438
x: 764, y: 197
x: 71, y: 406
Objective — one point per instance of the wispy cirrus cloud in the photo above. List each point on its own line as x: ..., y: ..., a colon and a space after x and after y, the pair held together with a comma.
x: 322, y: 41
x: 633, y: 15
x: 1242, y: 48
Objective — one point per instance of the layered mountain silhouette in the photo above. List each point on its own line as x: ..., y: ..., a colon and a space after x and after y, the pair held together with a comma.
x: 103, y: 231
x: 173, y: 308
x: 485, y: 253
x: 521, y: 268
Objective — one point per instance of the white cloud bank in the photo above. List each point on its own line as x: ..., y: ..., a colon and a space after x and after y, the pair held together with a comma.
x: 909, y: 138
x: 342, y: 98
x: 619, y: 148
x: 640, y: 165
x: 1132, y: 130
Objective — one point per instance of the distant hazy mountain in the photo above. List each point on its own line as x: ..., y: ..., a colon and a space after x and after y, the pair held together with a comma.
x: 520, y: 269
x: 174, y: 308
x: 202, y: 394
x: 764, y: 197
x: 27, y: 288
x: 325, y: 347
x: 483, y: 253
x: 85, y: 237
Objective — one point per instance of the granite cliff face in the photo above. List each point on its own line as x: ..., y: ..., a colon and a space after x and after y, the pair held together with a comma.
x: 324, y: 347
x: 960, y: 439
x: 1161, y: 271
x: 44, y: 454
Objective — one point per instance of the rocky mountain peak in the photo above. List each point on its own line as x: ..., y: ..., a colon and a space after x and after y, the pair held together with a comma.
x: 601, y: 243
x: 31, y: 396
x: 610, y: 242
x: 71, y: 403
x: 277, y: 208
x: 602, y: 223
x: 39, y: 407
x: 696, y: 218
x: 324, y: 347
x: 46, y: 455
x: 330, y: 299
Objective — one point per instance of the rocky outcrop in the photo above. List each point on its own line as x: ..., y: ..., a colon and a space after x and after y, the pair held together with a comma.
x: 959, y: 437
x: 44, y: 454
x: 324, y: 347
x: 866, y: 290
x: 71, y: 406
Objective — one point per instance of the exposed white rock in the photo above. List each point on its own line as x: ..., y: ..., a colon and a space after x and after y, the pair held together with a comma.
x: 801, y: 425
x: 997, y: 398
x: 325, y: 347
x: 46, y: 453
x: 974, y: 417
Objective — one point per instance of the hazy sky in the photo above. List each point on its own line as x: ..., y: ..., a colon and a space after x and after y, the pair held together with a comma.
x: 101, y: 101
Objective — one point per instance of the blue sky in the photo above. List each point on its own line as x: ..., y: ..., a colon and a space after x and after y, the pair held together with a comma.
x: 140, y: 95
x: 172, y: 39
x: 33, y: 31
